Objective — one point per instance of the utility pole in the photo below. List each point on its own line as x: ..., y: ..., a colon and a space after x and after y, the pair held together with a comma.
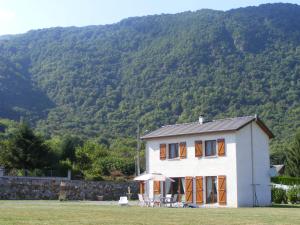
x: 138, y: 148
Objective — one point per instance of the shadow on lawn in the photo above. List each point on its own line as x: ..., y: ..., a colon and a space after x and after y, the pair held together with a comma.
x: 286, y: 206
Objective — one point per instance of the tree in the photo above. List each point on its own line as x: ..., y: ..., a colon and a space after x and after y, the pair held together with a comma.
x: 96, y: 160
x: 25, y: 150
x: 293, y: 157
x: 7, y: 128
x: 278, y: 155
x: 86, y: 157
x: 68, y: 146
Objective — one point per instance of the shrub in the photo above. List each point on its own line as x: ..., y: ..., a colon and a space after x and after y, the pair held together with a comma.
x: 293, y: 194
x: 279, y: 195
x: 286, y: 180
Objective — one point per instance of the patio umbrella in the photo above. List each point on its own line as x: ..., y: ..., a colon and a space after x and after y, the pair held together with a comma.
x: 153, y: 176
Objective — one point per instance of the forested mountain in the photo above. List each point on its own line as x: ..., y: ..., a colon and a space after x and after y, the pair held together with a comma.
x: 161, y: 69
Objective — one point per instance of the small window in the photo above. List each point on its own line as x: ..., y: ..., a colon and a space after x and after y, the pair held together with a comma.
x: 210, y: 148
x: 173, y: 151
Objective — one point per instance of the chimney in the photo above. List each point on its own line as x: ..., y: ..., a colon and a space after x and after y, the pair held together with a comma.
x: 201, y: 119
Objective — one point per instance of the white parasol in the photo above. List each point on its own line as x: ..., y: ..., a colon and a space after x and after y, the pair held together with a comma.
x: 153, y: 176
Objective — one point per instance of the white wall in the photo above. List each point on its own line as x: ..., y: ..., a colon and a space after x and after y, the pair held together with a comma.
x: 192, y: 166
x: 261, y: 166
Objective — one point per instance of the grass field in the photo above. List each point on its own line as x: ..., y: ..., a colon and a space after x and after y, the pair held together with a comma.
x: 54, y: 212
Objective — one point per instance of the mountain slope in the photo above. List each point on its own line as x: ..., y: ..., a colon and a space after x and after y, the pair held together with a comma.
x: 99, y: 80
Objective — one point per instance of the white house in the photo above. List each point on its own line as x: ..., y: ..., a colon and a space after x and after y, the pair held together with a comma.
x: 218, y: 163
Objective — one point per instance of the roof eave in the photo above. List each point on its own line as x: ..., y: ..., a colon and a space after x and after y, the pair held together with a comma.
x: 261, y: 124
x: 176, y: 135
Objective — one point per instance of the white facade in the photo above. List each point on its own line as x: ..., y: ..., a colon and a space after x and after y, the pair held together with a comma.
x: 241, y: 146
x: 261, y: 166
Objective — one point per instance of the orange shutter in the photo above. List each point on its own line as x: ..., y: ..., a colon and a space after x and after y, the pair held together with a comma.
x: 162, y: 151
x: 156, y: 187
x: 142, y: 187
x: 221, y: 147
x: 182, y: 150
x: 222, y: 189
x: 198, y: 148
x: 188, y: 189
x: 199, y: 190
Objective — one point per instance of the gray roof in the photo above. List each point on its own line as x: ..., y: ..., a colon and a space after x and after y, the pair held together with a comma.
x: 278, y: 167
x: 229, y: 124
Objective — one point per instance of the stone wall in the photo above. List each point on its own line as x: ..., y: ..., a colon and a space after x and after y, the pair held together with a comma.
x: 35, y: 188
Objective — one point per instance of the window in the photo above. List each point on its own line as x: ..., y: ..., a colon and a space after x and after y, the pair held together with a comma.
x: 211, y: 189
x: 210, y: 148
x: 175, y: 188
x: 173, y: 151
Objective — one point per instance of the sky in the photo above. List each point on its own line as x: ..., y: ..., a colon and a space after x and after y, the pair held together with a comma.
x: 19, y: 16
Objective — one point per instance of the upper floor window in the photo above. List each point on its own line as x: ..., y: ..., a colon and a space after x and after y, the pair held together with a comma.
x: 173, y: 151
x: 210, y: 148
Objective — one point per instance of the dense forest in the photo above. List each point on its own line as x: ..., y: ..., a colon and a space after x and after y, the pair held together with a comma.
x: 100, y: 81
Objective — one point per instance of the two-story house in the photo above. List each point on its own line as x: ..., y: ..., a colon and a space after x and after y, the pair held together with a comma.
x: 219, y: 163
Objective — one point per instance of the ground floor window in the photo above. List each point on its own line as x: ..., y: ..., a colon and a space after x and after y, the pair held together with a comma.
x: 176, y: 188
x: 199, y: 189
x: 211, y: 190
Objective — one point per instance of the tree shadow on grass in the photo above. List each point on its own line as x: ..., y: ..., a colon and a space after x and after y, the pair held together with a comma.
x: 286, y: 205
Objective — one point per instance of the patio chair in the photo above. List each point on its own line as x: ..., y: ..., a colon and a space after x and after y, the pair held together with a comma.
x: 168, y: 196
x: 141, y: 200
x: 173, y: 200
x: 156, y: 200
x: 123, y: 201
x: 146, y: 200
x: 167, y: 200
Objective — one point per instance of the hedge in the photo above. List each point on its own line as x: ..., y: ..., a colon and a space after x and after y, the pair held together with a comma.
x: 293, y: 194
x: 279, y: 195
x: 286, y: 180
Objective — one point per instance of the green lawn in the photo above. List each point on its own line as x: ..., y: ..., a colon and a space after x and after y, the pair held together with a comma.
x: 54, y: 212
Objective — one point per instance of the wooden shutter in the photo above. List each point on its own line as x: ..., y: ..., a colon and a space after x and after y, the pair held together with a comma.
x: 221, y: 147
x: 156, y: 187
x: 198, y: 149
x: 142, y: 187
x: 162, y: 151
x: 199, y: 190
x: 222, y: 189
x: 182, y: 150
x: 189, y: 189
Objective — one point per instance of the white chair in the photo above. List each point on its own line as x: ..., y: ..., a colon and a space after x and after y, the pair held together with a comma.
x: 123, y: 201
x: 168, y: 199
x: 156, y: 200
x: 147, y: 200
x: 141, y: 200
x: 169, y: 196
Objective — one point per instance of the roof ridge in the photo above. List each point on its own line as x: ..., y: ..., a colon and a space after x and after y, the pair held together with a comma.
x: 187, y: 123
x: 231, y: 118
x: 177, y: 124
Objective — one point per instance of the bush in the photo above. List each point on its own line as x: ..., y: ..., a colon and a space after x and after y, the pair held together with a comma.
x: 293, y: 194
x: 279, y: 195
x: 286, y: 180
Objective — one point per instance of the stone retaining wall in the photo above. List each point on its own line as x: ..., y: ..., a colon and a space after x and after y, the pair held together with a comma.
x: 13, y: 188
